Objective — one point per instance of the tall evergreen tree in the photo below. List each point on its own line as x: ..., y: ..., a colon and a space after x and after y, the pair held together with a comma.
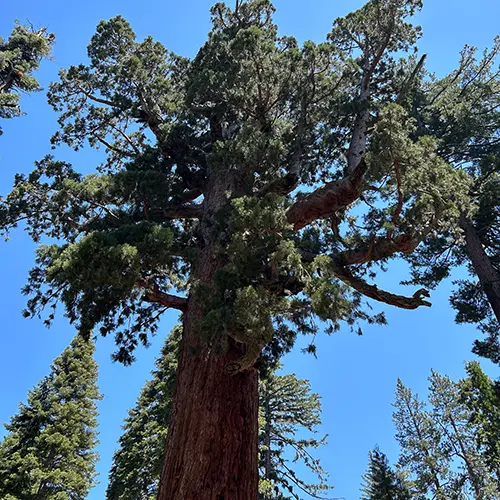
x: 20, y: 56
x: 200, y: 192
x: 289, y: 409
x: 481, y: 397
x: 380, y: 482
x: 136, y: 468
x: 463, y: 110
x: 48, y: 452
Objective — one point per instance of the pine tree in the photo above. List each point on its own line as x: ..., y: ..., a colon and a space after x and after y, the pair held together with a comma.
x: 481, y: 397
x: 449, y: 445
x: 137, y: 463
x: 288, y: 408
x: 381, y: 482
x: 48, y: 451
x: 420, y: 439
x: 200, y: 193
x: 20, y: 56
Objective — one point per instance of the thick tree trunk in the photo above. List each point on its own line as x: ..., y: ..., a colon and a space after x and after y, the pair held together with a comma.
x: 211, y: 451
x: 489, y: 277
x: 212, y: 444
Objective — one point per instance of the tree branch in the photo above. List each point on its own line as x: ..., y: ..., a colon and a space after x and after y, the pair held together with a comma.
x: 375, y: 293
x: 97, y: 99
x: 187, y: 211
x: 191, y: 195
x: 378, y: 249
x: 327, y: 199
x: 153, y: 294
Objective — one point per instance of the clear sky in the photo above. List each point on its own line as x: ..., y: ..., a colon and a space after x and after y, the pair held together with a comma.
x: 356, y: 376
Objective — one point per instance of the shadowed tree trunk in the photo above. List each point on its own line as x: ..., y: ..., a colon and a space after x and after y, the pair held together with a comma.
x: 211, y: 449
x: 489, y: 277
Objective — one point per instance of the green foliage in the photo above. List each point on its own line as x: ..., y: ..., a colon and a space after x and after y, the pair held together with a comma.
x: 20, y: 56
x: 137, y: 463
x: 381, y: 482
x: 205, y: 163
x: 449, y: 446
x: 48, y: 451
x: 462, y: 112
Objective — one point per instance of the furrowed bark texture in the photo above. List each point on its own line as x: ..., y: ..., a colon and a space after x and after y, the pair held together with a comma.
x: 489, y: 277
x: 211, y: 451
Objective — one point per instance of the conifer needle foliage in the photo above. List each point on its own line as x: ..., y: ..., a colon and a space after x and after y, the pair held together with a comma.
x: 48, y: 452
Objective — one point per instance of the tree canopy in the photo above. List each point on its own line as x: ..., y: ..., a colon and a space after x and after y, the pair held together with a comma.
x: 338, y: 113
x: 447, y: 445
x: 258, y: 188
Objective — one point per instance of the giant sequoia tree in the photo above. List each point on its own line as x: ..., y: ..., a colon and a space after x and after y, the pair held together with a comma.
x: 48, y: 452
x: 227, y: 192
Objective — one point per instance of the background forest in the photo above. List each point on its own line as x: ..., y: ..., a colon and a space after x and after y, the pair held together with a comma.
x: 355, y: 376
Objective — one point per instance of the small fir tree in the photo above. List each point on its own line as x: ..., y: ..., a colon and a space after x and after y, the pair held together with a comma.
x: 48, y: 452
x: 380, y: 482
x: 288, y: 409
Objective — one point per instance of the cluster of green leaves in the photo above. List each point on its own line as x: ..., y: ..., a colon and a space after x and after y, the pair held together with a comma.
x: 48, y: 452
x: 20, y: 56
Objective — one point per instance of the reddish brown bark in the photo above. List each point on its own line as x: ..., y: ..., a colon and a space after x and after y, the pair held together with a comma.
x: 211, y: 451
x: 212, y: 445
x: 326, y: 200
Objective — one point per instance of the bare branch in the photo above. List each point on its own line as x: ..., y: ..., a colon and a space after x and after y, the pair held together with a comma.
x: 187, y: 211
x: 375, y: 293
x: 378, y: 249
x: 114, y: 148
x: 407, y: 83
x: 97, y: 99
x: 191, y: 195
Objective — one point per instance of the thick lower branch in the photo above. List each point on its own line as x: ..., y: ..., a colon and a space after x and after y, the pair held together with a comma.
x: 327, y: 199
x: 378, y: 249
x: 187, y: 211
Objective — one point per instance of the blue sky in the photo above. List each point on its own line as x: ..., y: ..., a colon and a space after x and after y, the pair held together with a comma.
x: 356, y: 376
